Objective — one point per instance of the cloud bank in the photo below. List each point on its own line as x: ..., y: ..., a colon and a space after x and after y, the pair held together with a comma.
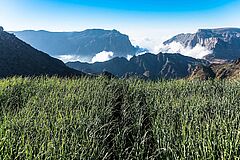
x: 175, y: 47
x: 156, y: 45
x: 153, y: 45
x: 102, y: 56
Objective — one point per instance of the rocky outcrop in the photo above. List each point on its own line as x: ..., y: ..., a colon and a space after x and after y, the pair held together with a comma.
x: 19, y: 58
x: 85, y: 44
x: 224, y: 42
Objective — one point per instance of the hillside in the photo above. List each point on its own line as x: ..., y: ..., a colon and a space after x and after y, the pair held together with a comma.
x: 227, y: 70
x: 19, y: 58
x: 85, y: 44
x: 223, y: 42
x: 162, y: 65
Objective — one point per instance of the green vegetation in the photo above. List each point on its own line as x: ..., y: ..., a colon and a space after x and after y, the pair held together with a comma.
x: 98, y: 118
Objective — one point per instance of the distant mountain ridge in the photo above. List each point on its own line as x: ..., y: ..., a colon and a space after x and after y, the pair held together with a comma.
x: 151, y: 66
x: 224, y: 42
x: 19, y: 58
x: 85, y: 44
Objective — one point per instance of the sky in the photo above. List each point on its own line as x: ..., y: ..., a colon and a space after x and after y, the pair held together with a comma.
x: 147, y: 22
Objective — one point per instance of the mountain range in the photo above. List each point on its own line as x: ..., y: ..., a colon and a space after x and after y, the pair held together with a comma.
x: 223, y: 42
x: 19, y: 58
x: 162, y: 65
x: 85, y: 44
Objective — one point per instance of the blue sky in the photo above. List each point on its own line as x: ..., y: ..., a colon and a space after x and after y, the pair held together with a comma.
x: 140, y: 19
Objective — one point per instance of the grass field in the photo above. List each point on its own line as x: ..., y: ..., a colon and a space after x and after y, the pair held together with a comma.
x: 97, y: 118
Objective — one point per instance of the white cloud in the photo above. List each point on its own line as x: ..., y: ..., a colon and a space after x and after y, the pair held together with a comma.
x: 141, y: 53
x: 175, y: 47
x: 102, y: 56
x: 155, y: 45
x: 129, y: 57
x: 69, y: 58
x: 137, y: 54
x: 99, y: 57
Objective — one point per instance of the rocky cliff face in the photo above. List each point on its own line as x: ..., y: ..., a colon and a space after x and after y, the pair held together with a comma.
x: 149, y: 66
x: 84, y: 44
x: 224, y: 42
x: 19, y: 58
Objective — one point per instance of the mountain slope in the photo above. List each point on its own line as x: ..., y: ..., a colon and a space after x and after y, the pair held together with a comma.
x: 85, y: 44
x: 223, y: 42
x: 148, y: 65
x: 19, y: 58
x: 227, y: 70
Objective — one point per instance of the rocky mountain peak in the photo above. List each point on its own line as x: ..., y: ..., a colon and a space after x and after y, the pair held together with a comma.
x: 223, y: 42
x: 1, y: 29
x: 206, y: 31
x: 115, y: 31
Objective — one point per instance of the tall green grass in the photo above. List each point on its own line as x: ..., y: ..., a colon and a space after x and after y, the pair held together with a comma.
x: 98, y: 118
